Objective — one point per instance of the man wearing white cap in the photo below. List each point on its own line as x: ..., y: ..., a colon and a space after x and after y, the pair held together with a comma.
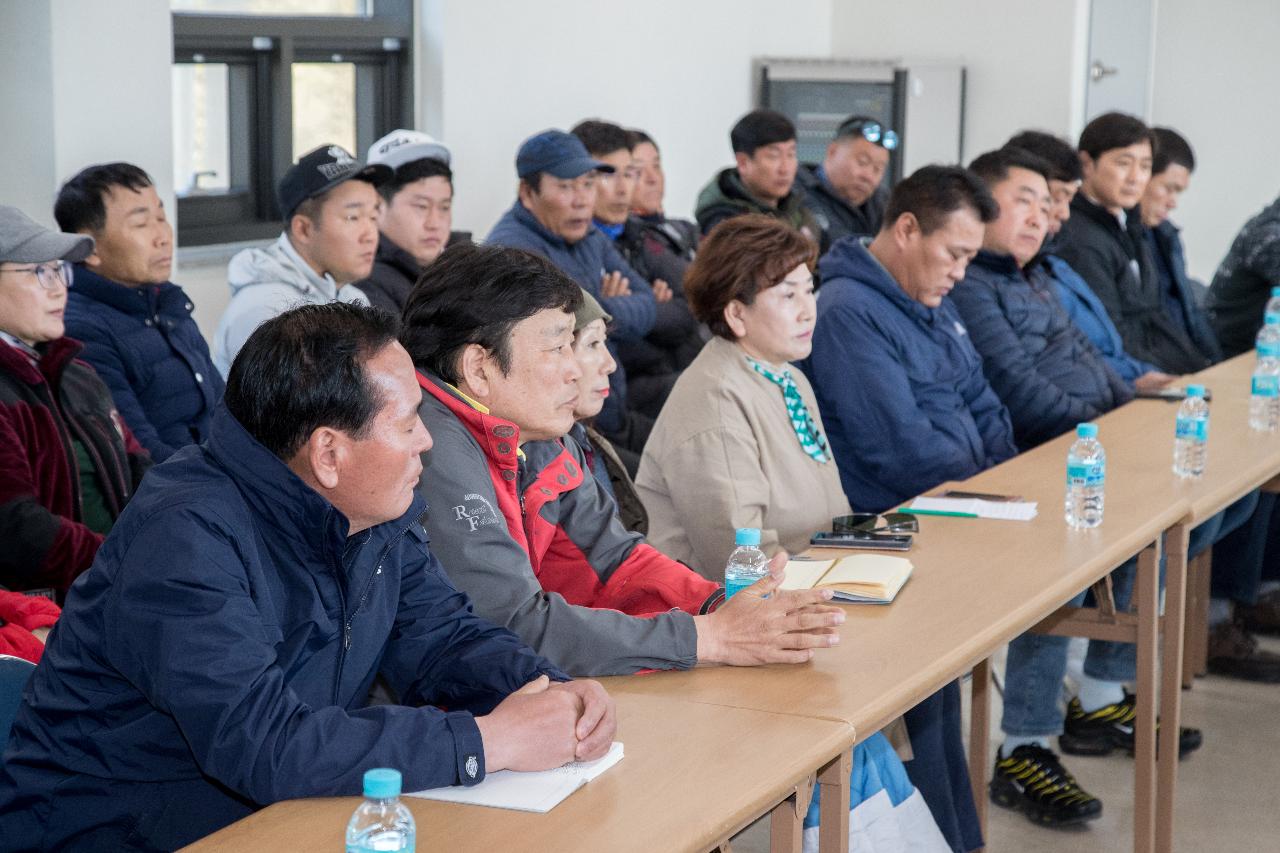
x: 416, y: 217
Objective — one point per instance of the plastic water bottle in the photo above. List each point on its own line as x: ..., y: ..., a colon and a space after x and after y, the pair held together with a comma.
x: 382, y: 822
x: 1273, y: 304
x: 1086, y: 478
x: 1191, y: 435
x: 747, y: 564
x: 1264, y: 399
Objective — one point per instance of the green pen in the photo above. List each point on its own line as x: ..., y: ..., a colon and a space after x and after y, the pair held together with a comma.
x: 943, y: 512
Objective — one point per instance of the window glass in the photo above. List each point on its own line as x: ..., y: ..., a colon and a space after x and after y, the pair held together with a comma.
x: 324, y: 106
x: 201, y: 128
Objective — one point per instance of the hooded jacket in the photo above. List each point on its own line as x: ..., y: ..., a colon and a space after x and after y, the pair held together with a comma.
x: 44, y: 406
x: 144, y: 344
x: 727, y: 196
x: 218, y: 656
x: 267, y: 282
x: 1117, y: 264
x: 586, y: 262
x: 1041, y: 366
x: 836, y: 218
x: 537, y: 544
x: 1242, y: 284
x: 900, y: 386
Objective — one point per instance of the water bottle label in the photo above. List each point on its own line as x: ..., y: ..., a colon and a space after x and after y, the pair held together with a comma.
x: 1195, y: 429
x: 1088, y: 475
x: 1269, y: 349
x: 1266, y: 386
x: 733, y: 586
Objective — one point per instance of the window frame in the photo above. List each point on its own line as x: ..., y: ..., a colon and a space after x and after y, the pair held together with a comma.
x: 380, y: 44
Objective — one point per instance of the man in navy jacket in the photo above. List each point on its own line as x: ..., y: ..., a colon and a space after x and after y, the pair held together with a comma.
x: 906, y: 405
x: 898, y: 381
x: 136, y: 325
x: 218, y: 655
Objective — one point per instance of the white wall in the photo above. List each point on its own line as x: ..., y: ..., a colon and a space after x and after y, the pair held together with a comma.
x: 1025, y: 58
x: 1216, y: 74
x: 84, y: 82
x: 680, y: 69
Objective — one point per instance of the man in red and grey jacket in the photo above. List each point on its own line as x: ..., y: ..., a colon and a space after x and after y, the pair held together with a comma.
x: 516, y: 518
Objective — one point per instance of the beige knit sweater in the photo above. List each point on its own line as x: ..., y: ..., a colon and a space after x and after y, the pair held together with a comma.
x: 723, y: 455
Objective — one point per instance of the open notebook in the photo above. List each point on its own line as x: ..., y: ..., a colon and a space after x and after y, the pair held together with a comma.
x: 875, y: 578
x: 539, y: 791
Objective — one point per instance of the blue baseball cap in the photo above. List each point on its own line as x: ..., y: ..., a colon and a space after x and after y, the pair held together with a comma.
x: 558, y: 153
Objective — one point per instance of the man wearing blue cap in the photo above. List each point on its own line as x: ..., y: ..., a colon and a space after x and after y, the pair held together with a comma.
x: 553, y: 217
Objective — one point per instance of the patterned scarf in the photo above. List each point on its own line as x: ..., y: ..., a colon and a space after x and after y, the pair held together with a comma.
x: 801, y: 421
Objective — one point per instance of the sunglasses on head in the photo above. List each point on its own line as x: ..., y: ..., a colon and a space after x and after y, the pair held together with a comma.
x: 870, y: 522
x: 872, y: 131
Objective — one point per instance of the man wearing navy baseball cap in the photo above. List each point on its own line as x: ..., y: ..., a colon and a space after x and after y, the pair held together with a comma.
x: 552, y: 218
x: 330, y: 208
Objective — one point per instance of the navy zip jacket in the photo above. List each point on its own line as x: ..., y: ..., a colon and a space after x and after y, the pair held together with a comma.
x: 218, y: 654
x: 1168, y: 248
x: 147, y: 348
x: 586, y: 262
x: 1040, y: 364
x: 899, y: 385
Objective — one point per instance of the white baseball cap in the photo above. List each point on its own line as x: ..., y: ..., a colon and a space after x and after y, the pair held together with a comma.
x: 404, y: 146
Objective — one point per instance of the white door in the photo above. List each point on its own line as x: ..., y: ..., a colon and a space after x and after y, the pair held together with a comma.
x: 1121, y: 33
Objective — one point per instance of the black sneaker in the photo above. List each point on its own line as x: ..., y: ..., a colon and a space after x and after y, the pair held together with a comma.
x: 1033, y: 781
x: 1111, y: 727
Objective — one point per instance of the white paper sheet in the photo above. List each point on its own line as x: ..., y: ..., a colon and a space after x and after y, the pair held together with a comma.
x: 539, y: 791
x: 1003, y: 510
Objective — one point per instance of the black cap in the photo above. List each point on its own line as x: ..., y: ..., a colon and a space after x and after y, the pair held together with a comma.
x: 322, y: 169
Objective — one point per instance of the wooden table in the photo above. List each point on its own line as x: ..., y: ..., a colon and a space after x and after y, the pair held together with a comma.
x: 977, y: 585
x: 693, y: 776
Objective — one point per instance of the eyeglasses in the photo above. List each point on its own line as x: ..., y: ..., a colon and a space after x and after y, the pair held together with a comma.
x: 869, y: 522
x: 50, y: 275
x: 872, y: 131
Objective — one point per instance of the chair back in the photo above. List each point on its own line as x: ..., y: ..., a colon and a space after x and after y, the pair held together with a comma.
x: 14, y: 673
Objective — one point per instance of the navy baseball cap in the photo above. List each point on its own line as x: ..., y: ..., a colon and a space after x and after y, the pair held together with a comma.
x: 322, y: 169
x: 558, y: 153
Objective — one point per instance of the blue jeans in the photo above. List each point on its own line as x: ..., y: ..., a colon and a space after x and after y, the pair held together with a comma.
x: 1038, y: 662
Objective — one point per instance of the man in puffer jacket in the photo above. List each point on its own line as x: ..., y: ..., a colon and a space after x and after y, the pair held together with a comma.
x: 135, y: 324
x: 1040, y: 364
x: 330, y: 208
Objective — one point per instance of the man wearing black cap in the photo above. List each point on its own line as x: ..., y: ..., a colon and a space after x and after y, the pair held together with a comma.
x: 68, y: 463
x: 553, y: 218
x: 844, y: 193
x: 330, y: 208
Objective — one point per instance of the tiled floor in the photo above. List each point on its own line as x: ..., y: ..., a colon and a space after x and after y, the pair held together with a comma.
x: 1228, y: 793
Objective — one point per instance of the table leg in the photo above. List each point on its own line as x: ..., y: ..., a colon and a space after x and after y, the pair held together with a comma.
x: 1144, y: 794
x: 1175, y: 549
x: 786, y: 820
x: 979, y: 737
x: 833, y: 810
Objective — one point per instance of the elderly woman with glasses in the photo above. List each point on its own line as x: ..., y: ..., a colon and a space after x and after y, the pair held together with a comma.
x: 740, y: 441
x: 68, y: 463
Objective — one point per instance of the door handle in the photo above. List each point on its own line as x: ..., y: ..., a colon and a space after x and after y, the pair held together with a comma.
x: 1097, y: 70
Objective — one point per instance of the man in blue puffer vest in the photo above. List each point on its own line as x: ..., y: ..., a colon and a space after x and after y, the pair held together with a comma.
x: 136, y: 325
x: 218, y: 655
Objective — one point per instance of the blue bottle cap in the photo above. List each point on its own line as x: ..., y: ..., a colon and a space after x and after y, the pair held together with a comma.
x: 1087, y: 431
x: 1195, y: 390
x: 381, y: 783
x: 747, y: 536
